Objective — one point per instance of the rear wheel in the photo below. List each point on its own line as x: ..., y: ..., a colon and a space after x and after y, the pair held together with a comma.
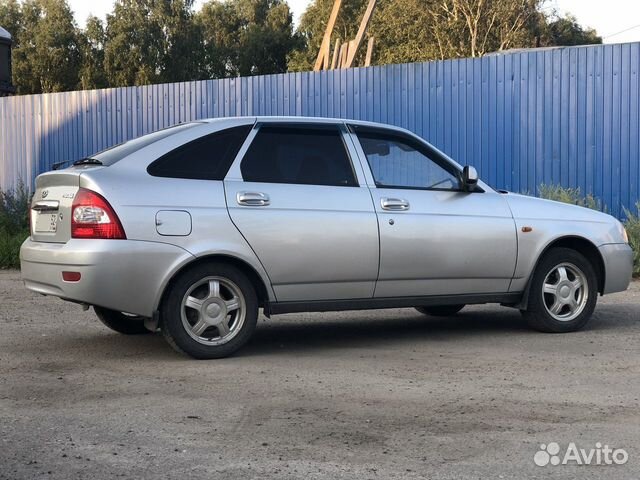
x: 210, y: 311
x: 440, y: 311
x: 121, y: 322
x: 563, y: 292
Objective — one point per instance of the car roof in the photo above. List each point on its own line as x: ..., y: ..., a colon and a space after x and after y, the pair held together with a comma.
x: 311, y: 120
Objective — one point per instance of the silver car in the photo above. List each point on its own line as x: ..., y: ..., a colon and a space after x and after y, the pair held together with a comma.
x: 192, y: 229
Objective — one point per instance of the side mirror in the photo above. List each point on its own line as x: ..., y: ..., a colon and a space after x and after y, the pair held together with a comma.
x: 381, y: 149
x: 469, y: 178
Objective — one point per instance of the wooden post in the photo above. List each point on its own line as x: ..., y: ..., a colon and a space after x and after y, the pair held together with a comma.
x: 325, y: 46
x: 367, y: 60
x: 336, y: 50
x: 342, y: 55
x: 361, y: 31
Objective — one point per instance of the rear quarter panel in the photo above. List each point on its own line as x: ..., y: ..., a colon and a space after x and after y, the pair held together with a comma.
x: 137, y: 197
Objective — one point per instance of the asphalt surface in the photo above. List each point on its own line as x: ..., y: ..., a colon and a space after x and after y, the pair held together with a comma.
x: 372, y: 394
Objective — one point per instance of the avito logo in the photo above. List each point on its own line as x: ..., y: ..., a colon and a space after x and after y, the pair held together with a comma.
x: 600, y: 455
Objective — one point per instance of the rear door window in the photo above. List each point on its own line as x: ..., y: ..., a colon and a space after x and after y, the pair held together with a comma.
x: 305, y: 155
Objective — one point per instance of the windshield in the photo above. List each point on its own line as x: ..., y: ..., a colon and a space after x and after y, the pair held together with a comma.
x: 115, y: 154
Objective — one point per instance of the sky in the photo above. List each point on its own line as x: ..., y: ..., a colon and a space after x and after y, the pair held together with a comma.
x: 618, y: 21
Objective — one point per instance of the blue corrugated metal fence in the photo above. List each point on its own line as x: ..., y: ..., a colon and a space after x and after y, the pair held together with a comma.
x: 568, y: 116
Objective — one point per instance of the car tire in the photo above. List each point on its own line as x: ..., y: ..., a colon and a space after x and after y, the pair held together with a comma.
x: 210, y: 311
x: 441, y: 311
x: 121, y: 322
x: 563, y: 292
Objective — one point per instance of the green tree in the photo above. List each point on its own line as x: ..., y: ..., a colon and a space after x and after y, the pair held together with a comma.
x: 246, y: 37
x: 423, y: 30
x: 92, y: 74
x: 472, y: 28
x: 182, y: 41
x: 46, y: 55
x: 151, y: 41
x: 11, y: 17
x: 567, y: 31
x: 403, y: 32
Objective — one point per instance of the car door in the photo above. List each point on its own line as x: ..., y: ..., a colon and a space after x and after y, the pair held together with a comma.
x: 296, y: 197
x: 435, y: 238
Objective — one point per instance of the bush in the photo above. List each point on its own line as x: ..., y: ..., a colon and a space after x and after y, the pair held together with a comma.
x: 10, y: 249
x: 574, y: 196
x: 570, y: 195
x: 14, y: 224
x: 632, y: 224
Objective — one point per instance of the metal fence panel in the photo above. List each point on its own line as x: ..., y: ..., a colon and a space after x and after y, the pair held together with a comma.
x: 568, y: 116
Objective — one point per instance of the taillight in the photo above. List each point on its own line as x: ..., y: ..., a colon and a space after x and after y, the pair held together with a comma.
x: 93, y: 217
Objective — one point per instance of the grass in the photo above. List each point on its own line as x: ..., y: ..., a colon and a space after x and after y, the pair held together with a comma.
x: 14, y: 224
x: 570, y: 195
x: 632, y: 225
x: 575, y: 197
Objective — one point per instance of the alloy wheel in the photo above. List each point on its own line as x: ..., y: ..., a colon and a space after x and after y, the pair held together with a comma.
x: 565, y: 292
x: 213, y: 311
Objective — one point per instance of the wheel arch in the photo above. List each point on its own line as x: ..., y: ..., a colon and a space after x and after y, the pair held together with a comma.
x: 574, y: 242
x: 583, y: 246
x: 258, y: 282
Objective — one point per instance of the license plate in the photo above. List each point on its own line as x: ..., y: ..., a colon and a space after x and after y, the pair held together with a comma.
x: 46, y: 222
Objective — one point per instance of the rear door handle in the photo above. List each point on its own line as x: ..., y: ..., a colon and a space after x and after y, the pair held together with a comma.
x: 394, y: 204
x: 253, y: 199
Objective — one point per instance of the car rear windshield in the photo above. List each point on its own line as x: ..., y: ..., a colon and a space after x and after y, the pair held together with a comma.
x: 115, y: 154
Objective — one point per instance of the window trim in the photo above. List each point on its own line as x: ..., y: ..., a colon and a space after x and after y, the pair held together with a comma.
x: 199, y: 140
x: 419, y: 145
x: 339, y: 128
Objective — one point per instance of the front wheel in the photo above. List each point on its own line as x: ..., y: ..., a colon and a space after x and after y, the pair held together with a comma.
x: 210, y: 311
x: 440, y: 311
x: 563, y: 292
x: 120, y: 322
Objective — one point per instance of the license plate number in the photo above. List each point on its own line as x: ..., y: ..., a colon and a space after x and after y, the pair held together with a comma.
x: 46, y: 222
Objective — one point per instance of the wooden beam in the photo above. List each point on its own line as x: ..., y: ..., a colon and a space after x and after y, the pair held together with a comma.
x: 351, y: 46
x: 326, y: 57
x: 325, y: 46
x: 342, y: 55
x: 336, y: 50
x: 361, y: 31
x: 367, y: 60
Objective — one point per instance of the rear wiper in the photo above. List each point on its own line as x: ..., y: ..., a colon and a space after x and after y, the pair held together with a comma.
x: 87, y: 161
x: 59, y: 165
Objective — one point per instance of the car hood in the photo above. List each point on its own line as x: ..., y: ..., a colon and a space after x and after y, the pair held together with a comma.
x: 524, y: 207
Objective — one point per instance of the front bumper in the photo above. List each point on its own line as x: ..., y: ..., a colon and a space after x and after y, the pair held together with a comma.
x: 618, y: 266
x: 123, y: 275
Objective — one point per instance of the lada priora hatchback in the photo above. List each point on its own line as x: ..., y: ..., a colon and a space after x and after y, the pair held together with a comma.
x: 193, y: 229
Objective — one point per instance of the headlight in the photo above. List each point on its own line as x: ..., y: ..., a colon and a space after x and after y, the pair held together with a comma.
x: 625, y: 235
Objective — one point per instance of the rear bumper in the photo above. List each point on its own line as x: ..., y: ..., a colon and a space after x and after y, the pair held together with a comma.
x: 618, y: 266
x: 123, y: 275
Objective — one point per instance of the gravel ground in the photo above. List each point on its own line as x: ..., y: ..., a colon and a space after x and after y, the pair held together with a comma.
x: 372, y: 394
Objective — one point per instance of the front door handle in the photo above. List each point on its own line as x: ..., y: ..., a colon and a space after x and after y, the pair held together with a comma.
x: 394, y: 204
x: 253, y: 199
